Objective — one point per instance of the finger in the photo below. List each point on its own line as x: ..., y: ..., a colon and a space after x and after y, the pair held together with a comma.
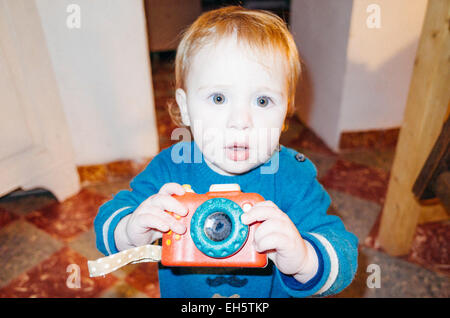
x: 151, y: 221
x: 174, y: 224
x: 170, y: 204
x: 259, y: 214
x: 161, y: 221
x: 144, y: 230
x: 269, y: 227
x: 271, y: 242
x: 172, y: 188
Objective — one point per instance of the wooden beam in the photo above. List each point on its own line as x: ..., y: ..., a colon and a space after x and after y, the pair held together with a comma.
x: 425, y: 112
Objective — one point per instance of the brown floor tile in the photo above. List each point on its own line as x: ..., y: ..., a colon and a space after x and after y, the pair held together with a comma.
x: 323, y: 163
x: 431, y: 246
x: 145, y: 279
x: 378, y: 158
x: 111, y: 172
x: 359, y: 180
x: 93, y: 173
x: 23, y: 246
x: 380, y: 139
x: 358, y: 215
x: 53, y: 279
x: 122, y: 169
x: 109, y: 189
x: 85, y: 245
x: 398, y: 278
x: 68, y: 219
x: 310, y: 141
x: 301, y: 138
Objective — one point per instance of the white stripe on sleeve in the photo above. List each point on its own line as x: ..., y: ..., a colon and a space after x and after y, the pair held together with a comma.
x: 106, y: 227
x: 334, y: 263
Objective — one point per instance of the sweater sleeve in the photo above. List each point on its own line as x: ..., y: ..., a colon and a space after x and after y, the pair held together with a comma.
x: 145, y: 184
x: 335, y: 246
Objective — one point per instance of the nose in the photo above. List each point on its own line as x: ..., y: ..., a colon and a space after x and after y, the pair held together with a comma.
x: 240, y: 118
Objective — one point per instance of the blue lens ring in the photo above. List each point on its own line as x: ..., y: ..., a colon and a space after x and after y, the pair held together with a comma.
x: 235, y: 240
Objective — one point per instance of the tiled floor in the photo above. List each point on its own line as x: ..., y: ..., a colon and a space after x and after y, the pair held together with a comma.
x: 40, y: 238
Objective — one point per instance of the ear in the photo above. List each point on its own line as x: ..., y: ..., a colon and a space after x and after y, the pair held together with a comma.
x: 180, y: 96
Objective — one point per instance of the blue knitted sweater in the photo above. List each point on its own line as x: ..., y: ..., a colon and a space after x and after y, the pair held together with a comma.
x: 289, y: 180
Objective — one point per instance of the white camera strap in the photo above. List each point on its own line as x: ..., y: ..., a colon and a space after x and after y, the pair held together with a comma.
x: 140, y: 254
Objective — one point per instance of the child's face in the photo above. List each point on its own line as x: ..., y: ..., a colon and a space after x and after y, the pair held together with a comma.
x: 235, y: 104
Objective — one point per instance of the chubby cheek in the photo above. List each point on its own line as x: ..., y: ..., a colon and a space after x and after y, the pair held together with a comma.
x: 266, y: 141
x: 269, y: 128
x: 207, y: 127
x: 209, y: 137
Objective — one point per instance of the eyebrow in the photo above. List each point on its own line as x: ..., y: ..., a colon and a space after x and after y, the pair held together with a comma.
x: 262, y: 88
x: 271, y: 90
x: 212, y: 86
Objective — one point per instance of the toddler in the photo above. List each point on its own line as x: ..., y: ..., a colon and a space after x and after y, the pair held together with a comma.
x: 236, y: 73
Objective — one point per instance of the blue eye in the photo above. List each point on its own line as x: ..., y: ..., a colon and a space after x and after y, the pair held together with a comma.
x: 218, y: 98
x: 263, y: 101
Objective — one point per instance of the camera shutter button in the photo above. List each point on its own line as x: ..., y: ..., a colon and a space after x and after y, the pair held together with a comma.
x: 246, y: 207
x: 224, y: 187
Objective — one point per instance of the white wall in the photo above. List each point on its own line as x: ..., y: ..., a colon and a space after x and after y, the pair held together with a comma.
x: 104, y: 78
x: 358, y: 76
x: 379, y: 64
x: 320, y: 29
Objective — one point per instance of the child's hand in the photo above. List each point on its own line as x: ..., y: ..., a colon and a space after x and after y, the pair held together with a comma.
x: 279, y: 237
x: 147, y: 223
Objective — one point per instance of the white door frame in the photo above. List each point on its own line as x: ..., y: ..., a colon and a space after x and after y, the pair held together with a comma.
x: 49, y: 160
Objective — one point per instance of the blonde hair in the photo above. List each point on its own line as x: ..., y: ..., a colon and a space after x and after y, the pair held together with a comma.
x: 258, y: 29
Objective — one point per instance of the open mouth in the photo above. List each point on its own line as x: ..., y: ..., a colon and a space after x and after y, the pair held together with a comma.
x: 238, y: 151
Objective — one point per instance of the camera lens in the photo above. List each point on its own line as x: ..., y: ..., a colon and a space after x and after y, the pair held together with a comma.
x: 216, y: 229
x: 217, y: 226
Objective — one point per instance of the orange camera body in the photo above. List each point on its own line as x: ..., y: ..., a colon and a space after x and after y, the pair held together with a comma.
x: 215, y: 235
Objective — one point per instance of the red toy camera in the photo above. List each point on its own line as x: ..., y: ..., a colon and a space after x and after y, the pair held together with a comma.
x: 215, y: 235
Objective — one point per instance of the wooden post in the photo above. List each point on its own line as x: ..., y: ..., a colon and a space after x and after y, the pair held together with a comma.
x: 425, y: 112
